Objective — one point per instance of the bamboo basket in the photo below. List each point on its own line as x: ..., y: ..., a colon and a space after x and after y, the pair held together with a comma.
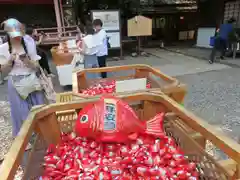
x: 61, y: 58
x: 157, y: 79
x: 48, y: 123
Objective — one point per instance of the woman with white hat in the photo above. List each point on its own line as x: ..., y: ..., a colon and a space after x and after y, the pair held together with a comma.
x: 24, y: 88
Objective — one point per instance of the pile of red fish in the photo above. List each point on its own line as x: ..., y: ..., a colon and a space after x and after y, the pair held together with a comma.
x: 147, y: 158
x: 103, y: 87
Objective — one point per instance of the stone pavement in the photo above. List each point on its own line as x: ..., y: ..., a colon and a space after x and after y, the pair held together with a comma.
x: 201, y: 54
x: 179, y: 64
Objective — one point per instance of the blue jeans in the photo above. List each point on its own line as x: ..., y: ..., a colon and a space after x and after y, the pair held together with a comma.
x: 219, y: 45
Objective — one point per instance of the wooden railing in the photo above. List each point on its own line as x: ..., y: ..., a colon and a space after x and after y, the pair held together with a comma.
x: 54, y: 35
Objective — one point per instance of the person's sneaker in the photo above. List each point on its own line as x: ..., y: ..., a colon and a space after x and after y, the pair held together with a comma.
x: 210, y: 61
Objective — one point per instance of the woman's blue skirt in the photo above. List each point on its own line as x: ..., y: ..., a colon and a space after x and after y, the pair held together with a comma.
x: 91, y: 61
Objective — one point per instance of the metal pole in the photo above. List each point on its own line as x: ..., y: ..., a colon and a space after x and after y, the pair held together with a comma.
x: 58, y: 15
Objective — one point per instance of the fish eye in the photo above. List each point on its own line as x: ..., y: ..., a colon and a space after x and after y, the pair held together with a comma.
x: 84, y: 119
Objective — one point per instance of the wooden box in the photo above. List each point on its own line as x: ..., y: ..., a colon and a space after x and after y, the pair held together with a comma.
x: 60, y: 57
x: 47, y: 124
x: 157, y: 79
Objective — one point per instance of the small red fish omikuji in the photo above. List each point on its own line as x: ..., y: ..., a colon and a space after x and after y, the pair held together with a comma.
x: 112, y: 120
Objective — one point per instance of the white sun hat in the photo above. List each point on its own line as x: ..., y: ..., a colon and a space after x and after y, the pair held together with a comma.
x: 13, y: 27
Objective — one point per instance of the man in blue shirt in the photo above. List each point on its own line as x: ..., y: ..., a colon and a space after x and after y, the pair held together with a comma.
x: 222, y: 39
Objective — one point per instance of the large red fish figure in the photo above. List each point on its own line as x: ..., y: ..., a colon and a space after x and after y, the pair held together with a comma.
x: 113, y: 120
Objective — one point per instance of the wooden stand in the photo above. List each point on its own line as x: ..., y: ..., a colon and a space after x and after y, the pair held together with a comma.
x: 139, y: 26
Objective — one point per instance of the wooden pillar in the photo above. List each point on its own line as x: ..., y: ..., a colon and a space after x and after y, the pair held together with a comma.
x: 58, y: 15
x: 62, y: 16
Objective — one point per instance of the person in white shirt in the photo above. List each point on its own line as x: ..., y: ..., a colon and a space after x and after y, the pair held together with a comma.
x: 103, y: 49
x: 21, y: 63
x: 89, y: 48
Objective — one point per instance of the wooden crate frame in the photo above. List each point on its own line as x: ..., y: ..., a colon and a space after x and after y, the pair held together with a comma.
x: 55, y: 35
x: 60, y: 58
x: 174, y: 88
x: 45, y: 122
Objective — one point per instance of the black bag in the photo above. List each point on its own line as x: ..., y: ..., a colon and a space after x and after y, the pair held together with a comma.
x: 44, y: 60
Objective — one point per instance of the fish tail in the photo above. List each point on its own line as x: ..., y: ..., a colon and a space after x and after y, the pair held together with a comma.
x: 154, y: 126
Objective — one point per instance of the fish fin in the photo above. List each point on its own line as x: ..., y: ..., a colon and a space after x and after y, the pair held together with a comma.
x: 154, y: 126
x: 133, y: 136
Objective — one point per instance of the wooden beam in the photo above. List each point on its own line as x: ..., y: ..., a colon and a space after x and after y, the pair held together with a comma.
x: 229, y: 165
x: 58, y: 15
x: 14, y: 156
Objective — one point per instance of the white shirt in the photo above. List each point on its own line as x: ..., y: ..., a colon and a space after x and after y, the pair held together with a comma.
x: 93, y: 45
x: 19, y: 67
x: 102, y: 37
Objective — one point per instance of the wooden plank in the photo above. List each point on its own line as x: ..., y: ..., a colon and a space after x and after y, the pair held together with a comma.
x: 128, y: 67
x: 195, y: 135
x: 229, y: 165
x: 199, y: 139
x: 15, y: 154
x: 229, y: 146
x: 75, y: 82
x: 58, y: 97
x: 65, y: 112
x: 238, y: 171
x: 141, y: 73
x: 49, y: 129
x: 55, y: 28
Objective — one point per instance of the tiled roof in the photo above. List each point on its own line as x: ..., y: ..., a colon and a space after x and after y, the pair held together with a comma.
x: 148, y: 6
x: 168, y: 2
x: 168, y: 9
x: 175, y: 1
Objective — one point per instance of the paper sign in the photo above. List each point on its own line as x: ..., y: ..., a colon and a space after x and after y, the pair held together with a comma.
x: 131, y: 85
x: 114, y: 39
x: 109, y: 18
x: 65, y: 73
